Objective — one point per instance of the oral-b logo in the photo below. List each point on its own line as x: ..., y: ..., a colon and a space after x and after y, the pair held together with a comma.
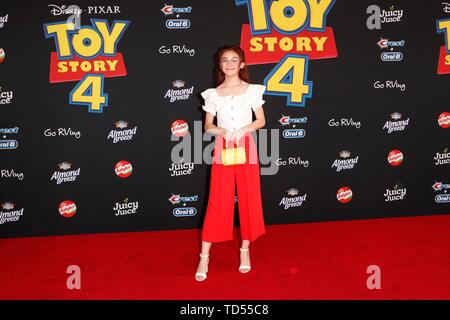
x: 178, y: 24
x: 392, y: 56
x: 294, y: 133
x: 8, y: 144
x: 442, y: 198
x: 184, y: 212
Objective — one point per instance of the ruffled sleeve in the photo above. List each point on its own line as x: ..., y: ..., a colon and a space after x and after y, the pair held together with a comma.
x: 210, y: 104
x: 257, y: 96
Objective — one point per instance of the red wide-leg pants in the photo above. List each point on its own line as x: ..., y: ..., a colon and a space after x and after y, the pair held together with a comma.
x: 218, y: 224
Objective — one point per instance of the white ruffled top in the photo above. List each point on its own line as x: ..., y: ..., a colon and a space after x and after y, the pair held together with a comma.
x: 234, y: 111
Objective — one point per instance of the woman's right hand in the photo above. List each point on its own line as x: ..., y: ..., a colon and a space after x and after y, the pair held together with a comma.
x: 226, y: 134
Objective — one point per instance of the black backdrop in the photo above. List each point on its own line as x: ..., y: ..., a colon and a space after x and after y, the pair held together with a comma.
x: 343, y: 88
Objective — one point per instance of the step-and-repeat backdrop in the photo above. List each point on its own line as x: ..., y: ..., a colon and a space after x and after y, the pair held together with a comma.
x: 101, y: 121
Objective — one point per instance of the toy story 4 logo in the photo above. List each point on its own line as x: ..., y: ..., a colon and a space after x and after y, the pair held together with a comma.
x: 289, y: 33
x: 89, y: 54
x: 443, y: 26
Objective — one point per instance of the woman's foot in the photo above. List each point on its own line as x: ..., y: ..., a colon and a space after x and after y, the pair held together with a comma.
x: 202, y: 268
x: 245, y: 261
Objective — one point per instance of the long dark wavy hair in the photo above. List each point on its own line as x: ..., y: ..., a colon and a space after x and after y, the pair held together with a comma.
x: 243, y: 73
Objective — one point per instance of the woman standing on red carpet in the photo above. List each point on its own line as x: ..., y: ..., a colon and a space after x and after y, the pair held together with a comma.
x: 233, y: 101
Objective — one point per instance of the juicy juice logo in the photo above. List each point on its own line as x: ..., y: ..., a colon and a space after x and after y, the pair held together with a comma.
x: 443, y: 26
x: 289, y: 33
x: 88, y: 54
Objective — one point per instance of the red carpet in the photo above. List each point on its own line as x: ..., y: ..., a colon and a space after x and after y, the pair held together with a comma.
x: 297, y: 261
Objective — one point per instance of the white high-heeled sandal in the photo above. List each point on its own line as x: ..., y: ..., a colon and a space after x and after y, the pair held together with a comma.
x: 244, y: 268
x: 202, y: 274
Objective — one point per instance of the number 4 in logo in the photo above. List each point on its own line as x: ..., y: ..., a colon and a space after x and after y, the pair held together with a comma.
x: 288, y: 78
x: 89, y: 92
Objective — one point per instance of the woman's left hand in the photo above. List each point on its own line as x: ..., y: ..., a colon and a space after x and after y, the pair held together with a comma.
x: 238, y: 134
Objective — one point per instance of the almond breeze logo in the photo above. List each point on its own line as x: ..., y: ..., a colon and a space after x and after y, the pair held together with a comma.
x: 64, y: 174
x: 8, y: 214
x: 345, y: 163
x: 179, y: 23
x: 121, y: 133
x: 293, y: 199
x: 179, y: 93
x: 3, y: 21
x: 396, y: 124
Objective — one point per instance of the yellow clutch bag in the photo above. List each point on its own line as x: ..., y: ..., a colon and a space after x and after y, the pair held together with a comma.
x: 233, y: 156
